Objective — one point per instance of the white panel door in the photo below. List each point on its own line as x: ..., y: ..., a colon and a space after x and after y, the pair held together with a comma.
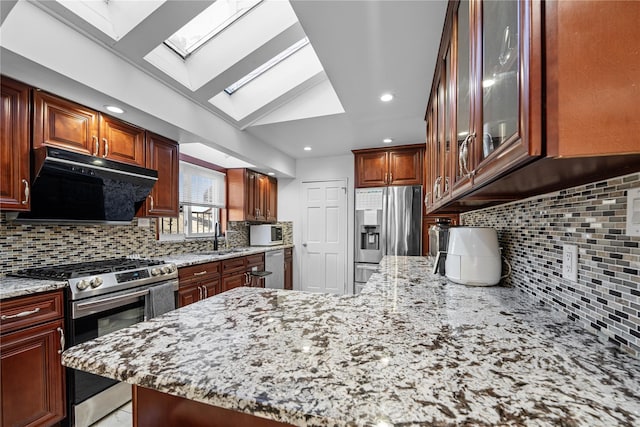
x: 324, y: 237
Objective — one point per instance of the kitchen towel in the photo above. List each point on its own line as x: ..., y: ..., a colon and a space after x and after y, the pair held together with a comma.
x: 160, y: 300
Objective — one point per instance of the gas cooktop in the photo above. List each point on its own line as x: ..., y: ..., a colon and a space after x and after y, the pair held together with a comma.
x: 100, y: 277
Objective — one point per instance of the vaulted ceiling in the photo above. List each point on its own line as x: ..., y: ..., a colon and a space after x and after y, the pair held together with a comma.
x: 324, y: 96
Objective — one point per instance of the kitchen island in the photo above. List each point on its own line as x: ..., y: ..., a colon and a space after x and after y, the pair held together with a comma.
x: 411, y: 349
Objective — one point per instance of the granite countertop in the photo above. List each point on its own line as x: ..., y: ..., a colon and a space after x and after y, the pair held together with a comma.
x: 411, y: 349
x: 184, y: 260
x: 19, y: 286
x: 11, y: 287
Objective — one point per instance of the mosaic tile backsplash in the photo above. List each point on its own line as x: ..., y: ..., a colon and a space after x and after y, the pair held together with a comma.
x: 606, y: 298
x: 35, y: 245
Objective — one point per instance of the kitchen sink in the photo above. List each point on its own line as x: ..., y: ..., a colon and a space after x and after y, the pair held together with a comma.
x: 221, y: 252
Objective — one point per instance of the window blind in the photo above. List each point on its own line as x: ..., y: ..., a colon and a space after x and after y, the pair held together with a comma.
x: 201, y: 186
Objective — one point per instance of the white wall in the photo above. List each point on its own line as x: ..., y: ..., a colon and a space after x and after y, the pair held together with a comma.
x: 289, y: 205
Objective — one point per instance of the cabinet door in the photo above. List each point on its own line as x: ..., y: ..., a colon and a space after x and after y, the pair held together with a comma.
x: 234, y: 280
x: 33, y: 391
x: 60, y: 123
x: 462, y: 159
x: 405, y: 167
x: 162, y: 155
x: 251, y: 208
x: 371, y: 169
x: 504, y: 94
x: 272, y: 200
x: 288, y: 269
x: 121, y: 141
x: 189, y: 294
x: 15, y: 143
x: 211, y: 288
x: 262, y: 189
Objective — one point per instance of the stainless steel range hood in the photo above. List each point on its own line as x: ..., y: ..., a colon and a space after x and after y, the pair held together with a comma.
x: 73, y: 187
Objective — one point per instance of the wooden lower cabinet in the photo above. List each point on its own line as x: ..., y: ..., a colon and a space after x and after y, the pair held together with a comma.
x: 198, y: 282
x: 234, y: 280
x: 288, y: 268
x: 33, y: 381
x: 152, y: 408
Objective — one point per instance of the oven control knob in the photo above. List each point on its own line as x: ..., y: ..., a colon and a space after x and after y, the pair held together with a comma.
x: 82, y: 284
x: 172, y: 268
x: 155, y: 271
x: 96, y: 282
x: 166, y: 270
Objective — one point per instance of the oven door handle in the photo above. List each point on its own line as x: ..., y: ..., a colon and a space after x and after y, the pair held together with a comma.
x: 87, y: 308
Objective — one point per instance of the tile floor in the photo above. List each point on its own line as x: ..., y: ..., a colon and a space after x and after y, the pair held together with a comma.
x: 121, y: 417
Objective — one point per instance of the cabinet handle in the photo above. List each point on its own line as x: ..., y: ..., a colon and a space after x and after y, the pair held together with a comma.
x: 200, y: 273
x: 390, y: 177
x: 26, y: 191
x: 106, y: 147
x: 96, y: 145
x: 62, y: 341
x: 463, y: 156
x: 436, y: 188
x: 204, y: 289
x: 426, y: 199
x: 151, y: 197
x: 199, y: 293
x: 268, y: 213
x: 21, y: 314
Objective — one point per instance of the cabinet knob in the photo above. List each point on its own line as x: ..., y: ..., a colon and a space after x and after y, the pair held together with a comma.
x: 27, y: 191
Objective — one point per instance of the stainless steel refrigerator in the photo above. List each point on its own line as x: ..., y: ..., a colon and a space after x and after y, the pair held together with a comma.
x: 388, y: 222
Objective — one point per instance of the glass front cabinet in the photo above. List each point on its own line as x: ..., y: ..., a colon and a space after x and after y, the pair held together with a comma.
x: 477, y: 116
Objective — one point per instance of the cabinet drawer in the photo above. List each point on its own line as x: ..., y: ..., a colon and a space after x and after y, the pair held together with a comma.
x: 199, y: 271
x: 233, y: 265
x: 255, y: 260
x: 23, y: 312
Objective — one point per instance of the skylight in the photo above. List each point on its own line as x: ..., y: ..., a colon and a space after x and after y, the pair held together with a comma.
x: 207, y: 25
x: 267, y: 65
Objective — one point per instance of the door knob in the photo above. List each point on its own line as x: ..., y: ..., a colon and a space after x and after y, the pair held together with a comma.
x: 304, y: 244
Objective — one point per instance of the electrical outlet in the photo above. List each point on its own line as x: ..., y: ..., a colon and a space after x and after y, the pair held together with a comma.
x: 570, y: 262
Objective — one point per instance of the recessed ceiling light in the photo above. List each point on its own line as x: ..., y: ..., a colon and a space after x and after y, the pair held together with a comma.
x: 387, y: 140
x: 114, y: 109
x: 307, y: 148
x: 386, y: 97
x: 271, y: 173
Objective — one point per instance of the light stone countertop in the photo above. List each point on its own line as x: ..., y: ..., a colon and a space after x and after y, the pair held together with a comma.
x: 411, y: 349
x: 11, y: 287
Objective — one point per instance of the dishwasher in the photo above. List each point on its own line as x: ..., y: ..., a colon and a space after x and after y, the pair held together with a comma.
x: 274, y: 262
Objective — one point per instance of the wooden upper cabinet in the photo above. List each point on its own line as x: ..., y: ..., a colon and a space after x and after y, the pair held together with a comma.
x: 498, y: 131
x: 15, y: 141
x: 121, y: 141
x: 64, y: 124
x: 371, y: 169
x: 593, y: 111
x: 251, y: 196
x: 389, y: 166
x: 405, y: 166
x: 162, y: 155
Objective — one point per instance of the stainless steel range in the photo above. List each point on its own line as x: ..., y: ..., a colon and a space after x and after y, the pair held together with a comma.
x: 103, y: 296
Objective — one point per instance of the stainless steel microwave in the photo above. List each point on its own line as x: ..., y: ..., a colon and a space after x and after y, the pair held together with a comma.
x: 265, y: 235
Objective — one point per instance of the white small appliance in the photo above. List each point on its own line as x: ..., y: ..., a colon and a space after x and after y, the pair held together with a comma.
x: 473, y: 256
x: 265, y: 235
